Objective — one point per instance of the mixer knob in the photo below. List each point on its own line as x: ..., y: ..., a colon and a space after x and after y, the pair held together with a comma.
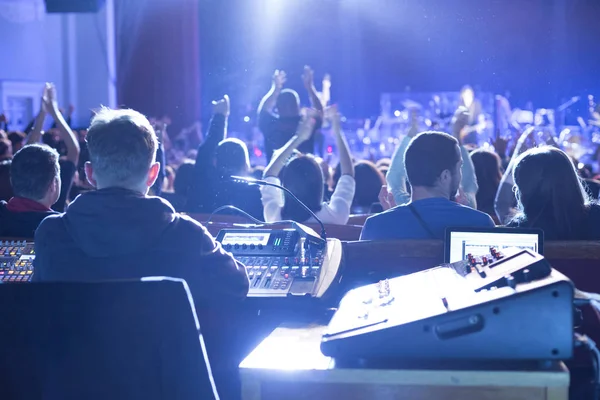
x: 260, y: 246
x: 244, y: 246
x: 286, y: 261
x: 236, y: 246
x: 252, y: 247
x: 510, y: 281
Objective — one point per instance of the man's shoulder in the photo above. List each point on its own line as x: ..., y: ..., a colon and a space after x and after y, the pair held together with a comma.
x: 388, y: 216
x: 474, y: 215
x: 51, y: 223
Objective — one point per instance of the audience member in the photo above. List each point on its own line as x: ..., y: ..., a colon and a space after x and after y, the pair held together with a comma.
x: 304, y: 178
x: 279, y: 113
x: 35, y: 179
x: 433, y: 164
x: 368, y: 184
x: 118, y: 232
x: 184, y: 178
x: 551, y: 196
x: 65, y: 137
x: 217, y: 160
x: 396, y: 176
x: 488, y: 169
x: 17, y: 140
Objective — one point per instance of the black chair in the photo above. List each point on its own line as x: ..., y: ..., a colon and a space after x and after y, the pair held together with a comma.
x: 107, y: 340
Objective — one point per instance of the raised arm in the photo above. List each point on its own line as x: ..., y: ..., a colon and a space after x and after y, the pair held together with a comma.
x: 309, y: 84
x: 267, y: 104
x: 346, y: 164
x: 396, y: 176
x: 469, y: 178
x: 281, y: 156
x: 66, y: 134
x: 36, y: 132
x: 326, y: 92
x: 217, y: 132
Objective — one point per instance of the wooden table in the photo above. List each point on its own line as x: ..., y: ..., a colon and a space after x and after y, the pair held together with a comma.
x: 289, y: 365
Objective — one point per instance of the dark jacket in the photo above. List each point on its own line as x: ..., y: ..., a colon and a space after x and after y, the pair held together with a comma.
x: 119, y: 234
x: 210, y: 190
x: 20, y: 225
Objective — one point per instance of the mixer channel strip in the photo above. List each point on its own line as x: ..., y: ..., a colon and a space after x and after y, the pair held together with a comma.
x: 16, y: 261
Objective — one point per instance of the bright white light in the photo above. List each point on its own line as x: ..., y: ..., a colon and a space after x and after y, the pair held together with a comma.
x: 397, y: 113
x: 246, y: 119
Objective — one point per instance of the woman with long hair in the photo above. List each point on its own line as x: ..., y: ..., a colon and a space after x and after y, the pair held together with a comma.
x: 551, y: 196
x: 303, y: 176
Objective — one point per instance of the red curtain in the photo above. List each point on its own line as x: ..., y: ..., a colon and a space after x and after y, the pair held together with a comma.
x: 158, y: 60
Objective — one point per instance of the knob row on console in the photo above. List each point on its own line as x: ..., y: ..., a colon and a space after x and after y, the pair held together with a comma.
x: 244, y: 246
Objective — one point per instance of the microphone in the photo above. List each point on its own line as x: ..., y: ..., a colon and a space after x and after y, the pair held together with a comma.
x: 258, y: 182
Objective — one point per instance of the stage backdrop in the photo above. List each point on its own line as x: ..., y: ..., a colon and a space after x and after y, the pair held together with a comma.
x: 539, y: 50
x: 158, y: 58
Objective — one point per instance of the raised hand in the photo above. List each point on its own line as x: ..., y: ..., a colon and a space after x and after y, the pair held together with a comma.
x: 386, y: 199
x: 326, y: 82
x: 222, y: 106
x: 279, y: 79
x: 308, y: 77
x: 49, y: 99
x: 459, y: 122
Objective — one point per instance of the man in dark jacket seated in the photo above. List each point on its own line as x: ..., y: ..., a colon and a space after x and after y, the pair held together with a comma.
x: 119, y: 232
x: 35, y: 180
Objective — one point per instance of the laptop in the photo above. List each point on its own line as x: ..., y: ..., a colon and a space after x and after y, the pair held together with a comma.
x: 459, y: 242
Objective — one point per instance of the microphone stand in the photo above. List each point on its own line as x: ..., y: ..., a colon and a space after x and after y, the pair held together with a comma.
x: 320, y: 242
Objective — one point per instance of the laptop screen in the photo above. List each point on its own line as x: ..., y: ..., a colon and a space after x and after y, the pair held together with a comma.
x: 460, y: 243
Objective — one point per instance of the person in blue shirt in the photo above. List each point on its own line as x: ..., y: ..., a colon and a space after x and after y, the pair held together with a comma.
x: 433, y: 162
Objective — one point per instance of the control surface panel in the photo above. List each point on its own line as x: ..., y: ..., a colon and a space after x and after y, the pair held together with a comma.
x: 16, y: 261
x: 277, y: 261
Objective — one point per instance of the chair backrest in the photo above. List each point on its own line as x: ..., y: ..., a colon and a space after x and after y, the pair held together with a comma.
x: 107, y: 340
x: 370, y: 261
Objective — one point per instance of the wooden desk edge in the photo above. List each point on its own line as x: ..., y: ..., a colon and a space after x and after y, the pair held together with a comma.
x: 556, y: 378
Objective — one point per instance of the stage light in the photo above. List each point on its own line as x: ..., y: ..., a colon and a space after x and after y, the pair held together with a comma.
x: 257, y: 152
x: 397, y: 113
x: 246, y: 119
x: 329, y: 149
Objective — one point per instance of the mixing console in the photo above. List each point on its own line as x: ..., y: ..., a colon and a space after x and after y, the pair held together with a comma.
x: 16, y: 261
x: 508, y: 306
x: 279, y: 263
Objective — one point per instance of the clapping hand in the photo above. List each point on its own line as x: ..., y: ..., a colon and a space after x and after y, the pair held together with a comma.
x: 49, y: 102
x: 279, y: 79
x: 221, y: 106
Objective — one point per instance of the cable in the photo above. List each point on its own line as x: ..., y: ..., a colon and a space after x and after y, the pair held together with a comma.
x: 244, y: 213
x: 584, y: 340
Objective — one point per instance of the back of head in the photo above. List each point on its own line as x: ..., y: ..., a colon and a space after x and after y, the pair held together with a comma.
x: 232, y: 158
x: 33, y: 170
x: 17, y: 139
x: 288, y: 103
x: 428, y: 155
x: 368, y: 184
x: 488, y: 169
x: 122, y: 146
x: 184, y: 178
x: 303, y: 177
x: 549, y: 192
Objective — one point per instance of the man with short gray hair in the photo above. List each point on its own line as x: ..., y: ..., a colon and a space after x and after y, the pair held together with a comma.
x: 119, y: 232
